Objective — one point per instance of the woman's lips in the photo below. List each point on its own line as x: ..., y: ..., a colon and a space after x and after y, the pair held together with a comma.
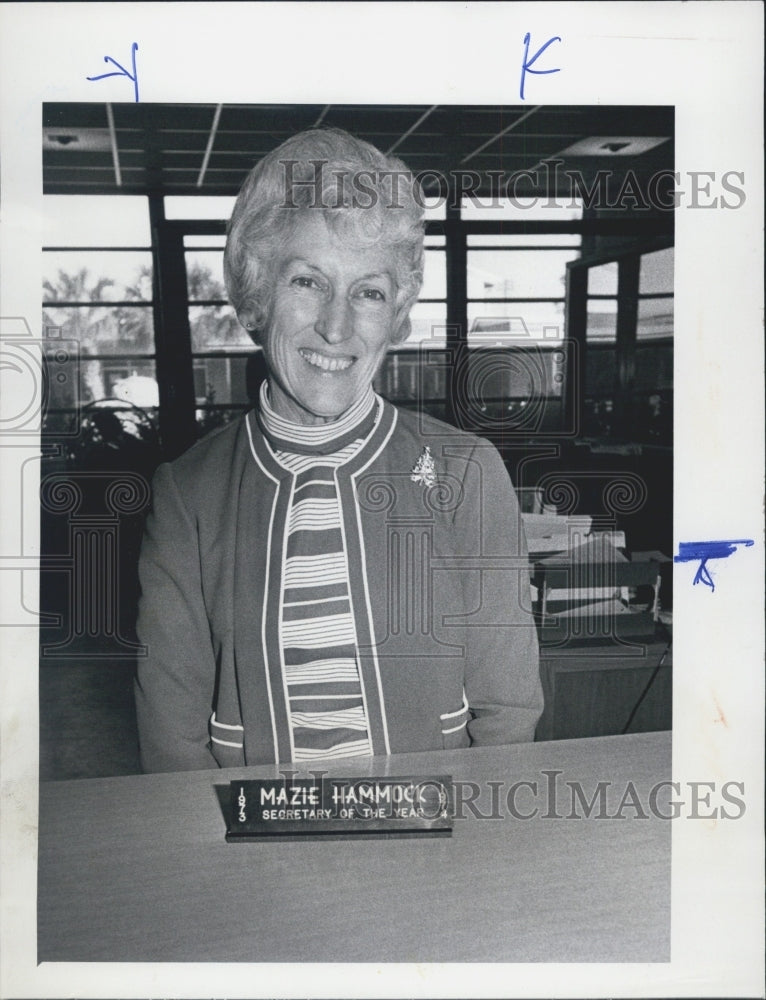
x: 325, y: 363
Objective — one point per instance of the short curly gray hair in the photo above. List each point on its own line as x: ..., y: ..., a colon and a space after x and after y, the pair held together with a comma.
x: 371, y: 198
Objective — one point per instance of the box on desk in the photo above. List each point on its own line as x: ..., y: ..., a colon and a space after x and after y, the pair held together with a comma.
x: 578, y: 574
x: 548, y: 532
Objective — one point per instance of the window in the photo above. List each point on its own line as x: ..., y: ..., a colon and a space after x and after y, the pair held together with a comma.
x: 97, y: 298
x: 655, y: 295
x: 627, y: 323
x: 429, y: 314
x: 222, y: 350
x: 516, y: 262
x: 516, y: 281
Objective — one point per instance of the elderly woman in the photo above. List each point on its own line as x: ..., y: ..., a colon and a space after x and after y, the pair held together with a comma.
x: 331, y: 577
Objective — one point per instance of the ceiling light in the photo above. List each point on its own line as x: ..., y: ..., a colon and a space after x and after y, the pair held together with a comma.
x: 613, y: 145
x: 76, y: 139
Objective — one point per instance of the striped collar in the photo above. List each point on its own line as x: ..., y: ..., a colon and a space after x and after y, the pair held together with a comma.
x: 319, y: 439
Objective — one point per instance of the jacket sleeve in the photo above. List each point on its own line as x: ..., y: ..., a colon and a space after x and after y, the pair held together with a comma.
x: 175, y: 680
x: 502, y: 670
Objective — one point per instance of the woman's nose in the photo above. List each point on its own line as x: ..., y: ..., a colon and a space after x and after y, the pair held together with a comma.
x: 333, y: 323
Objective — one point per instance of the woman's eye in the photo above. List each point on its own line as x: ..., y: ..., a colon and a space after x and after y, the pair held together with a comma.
x: 304, y: 281
x: 372, y: 295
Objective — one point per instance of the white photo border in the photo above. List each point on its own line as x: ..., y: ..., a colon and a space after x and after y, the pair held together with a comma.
x: 706, y: 59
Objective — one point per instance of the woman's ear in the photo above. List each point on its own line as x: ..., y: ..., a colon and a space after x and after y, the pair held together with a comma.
x: 402, y: 324
x: 402, y: 327
x: 401, y: 332
x: 248, y: 318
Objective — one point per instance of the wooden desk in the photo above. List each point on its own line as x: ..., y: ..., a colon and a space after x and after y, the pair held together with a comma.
x: 136, y: 869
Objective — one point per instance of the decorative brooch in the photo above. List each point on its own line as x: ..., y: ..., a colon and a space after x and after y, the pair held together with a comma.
x: 424, y: 470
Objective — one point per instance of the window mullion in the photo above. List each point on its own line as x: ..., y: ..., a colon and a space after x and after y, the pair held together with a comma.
x: 627, y: 321
x: 456, y: 261
x: 175, y: 374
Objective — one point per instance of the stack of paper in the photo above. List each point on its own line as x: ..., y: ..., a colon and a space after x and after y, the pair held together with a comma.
x: 554, y: 532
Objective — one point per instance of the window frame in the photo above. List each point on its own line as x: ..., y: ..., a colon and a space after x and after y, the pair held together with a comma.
x: 626, y: 343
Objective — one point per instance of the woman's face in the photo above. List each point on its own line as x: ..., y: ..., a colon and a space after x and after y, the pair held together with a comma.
x: 332, y: 319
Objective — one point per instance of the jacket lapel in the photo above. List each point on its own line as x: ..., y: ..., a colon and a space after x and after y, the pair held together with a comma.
x: 261, y: 518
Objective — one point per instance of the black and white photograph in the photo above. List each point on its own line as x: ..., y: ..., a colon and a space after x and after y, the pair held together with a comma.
x: 478, y: 511
x: 367, y: 576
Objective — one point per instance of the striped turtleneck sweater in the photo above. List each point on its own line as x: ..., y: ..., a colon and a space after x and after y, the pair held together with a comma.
x: 317, y: 634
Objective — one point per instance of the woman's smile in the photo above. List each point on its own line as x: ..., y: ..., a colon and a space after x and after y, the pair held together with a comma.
x: 326, y: 363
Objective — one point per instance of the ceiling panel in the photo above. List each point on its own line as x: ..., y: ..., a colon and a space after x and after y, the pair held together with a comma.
x: 160, y: 148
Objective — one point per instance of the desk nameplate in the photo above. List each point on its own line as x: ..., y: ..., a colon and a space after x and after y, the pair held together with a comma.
x: 325, y: 806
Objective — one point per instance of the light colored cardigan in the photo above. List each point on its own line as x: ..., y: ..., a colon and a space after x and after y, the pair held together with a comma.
x: 439, y: 587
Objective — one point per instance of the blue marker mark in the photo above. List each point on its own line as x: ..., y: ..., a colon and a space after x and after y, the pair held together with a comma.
x: 121, y: 70
x: 702, y: 551
x: 527, y: 63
